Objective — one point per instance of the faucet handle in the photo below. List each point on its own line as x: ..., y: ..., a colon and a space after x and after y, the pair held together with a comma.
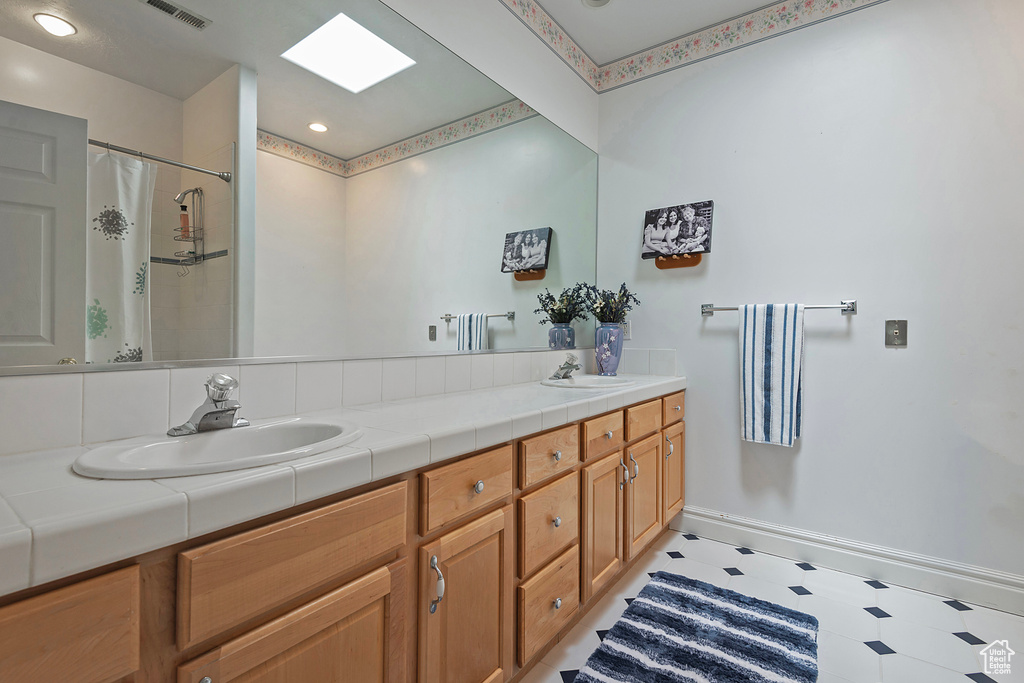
x: 571, y: 359
x: 219, y: 386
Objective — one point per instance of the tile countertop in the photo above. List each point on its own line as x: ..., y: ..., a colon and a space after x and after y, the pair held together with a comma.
x: 55, y: 523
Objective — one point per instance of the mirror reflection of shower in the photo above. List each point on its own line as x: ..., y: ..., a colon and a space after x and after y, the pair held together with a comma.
x: 190, y: 229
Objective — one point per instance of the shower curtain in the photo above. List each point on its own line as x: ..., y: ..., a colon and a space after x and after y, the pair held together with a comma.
x: 117, y: 259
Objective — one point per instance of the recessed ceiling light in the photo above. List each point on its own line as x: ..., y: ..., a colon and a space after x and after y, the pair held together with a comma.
x: 318, y: 127
x: 55, y: 25
x: 345, y: 53
x: 595, y: 3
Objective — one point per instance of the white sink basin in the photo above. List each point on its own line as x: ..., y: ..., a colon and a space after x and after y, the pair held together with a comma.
x: 589, y: 382
x: 222, y: 450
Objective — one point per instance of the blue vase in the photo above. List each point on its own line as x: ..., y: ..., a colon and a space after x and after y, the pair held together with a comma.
x: 561, y: 336
x: 608, y: 348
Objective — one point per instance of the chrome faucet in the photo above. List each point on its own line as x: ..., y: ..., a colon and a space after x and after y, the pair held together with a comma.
x: 571, y: 363
x: 218, y: 410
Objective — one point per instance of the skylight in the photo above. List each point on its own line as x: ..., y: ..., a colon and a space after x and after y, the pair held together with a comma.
x: 345, y: 53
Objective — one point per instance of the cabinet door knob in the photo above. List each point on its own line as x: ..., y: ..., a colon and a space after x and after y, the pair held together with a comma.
x: 557, y: 455
x: 205, y: 679
x: 440, y: 586
x: 558, y: 603
x: 636, y: 467
x: 671, y: 448
x: 678, y: 408
x: 557, y: 521
x: 479, y: 488
x: 608, y: 435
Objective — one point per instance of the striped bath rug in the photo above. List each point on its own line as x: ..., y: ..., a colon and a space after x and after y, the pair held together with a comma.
x: 679, y: 629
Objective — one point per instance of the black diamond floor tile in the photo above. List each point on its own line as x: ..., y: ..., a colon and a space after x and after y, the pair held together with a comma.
x: 629, y: 601
x: 651, y: 574
x: 675, y: 554
x: 807, y: 567
x: 569, y: 676
x: 799, y: 590
x: 969, y: 638
x: 880, y: 647
x: 744, y: 551
x: 981, y: 678
x: 876, y: 584
x: 877, y: 612
x: 690, y: 537
x: 601, y: 634
x: 733, y: 571
x: 957, y: 605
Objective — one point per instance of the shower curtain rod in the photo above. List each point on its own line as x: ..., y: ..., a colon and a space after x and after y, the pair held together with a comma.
x: 223, y: 175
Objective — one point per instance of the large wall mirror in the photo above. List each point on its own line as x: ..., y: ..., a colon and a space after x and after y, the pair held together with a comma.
x: 345, y: 243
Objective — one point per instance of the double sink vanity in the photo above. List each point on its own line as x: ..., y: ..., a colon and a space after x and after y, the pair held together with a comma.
x: 482, y: 534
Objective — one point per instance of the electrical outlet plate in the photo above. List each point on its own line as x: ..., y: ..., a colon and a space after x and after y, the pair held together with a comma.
x: 432, y: 333
x: 896, y: 333
x: 627, y: 331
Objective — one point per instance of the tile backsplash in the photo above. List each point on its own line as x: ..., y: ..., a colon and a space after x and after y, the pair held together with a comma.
x: 40, y: 412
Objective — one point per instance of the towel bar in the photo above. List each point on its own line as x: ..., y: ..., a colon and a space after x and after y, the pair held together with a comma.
x: 511, y: 315
x: 848, y: 307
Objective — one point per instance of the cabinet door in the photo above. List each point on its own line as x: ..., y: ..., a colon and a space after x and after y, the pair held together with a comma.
x: 643, y: 494
x: 346, y: 636
x: 603, y: 521
x: 468, y: 637
x: 674, y: 447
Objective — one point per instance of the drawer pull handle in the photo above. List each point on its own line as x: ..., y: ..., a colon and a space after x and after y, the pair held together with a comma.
x: 557, y: 455
x: 440, y: 585
x: 558, y: 603
x: 625, y: 473
x: 671, y: 448
x: 557, y: 521
x: 608, y: 435
x: 479, y: 488
x: 636, y: 467
x: 678, y: 408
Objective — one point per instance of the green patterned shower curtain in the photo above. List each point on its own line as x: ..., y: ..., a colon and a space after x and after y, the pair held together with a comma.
x: 117, y: 259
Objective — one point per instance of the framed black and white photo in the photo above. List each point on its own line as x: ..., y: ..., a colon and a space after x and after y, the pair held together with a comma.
x: 680, y: 229
x: 526, y: 250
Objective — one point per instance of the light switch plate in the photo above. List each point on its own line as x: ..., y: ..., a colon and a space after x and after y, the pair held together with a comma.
x: 627, y: 331
x: 432, y: 333
x: 896, y: 333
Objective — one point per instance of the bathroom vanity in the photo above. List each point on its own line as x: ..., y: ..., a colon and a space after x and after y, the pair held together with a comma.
x: 467, y: 570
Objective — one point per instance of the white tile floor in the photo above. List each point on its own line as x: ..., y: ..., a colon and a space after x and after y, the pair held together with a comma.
x: 925, y: 638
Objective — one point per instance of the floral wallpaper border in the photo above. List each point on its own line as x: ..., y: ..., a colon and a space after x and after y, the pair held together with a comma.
x: 436, y: 138
x: 767, y: 22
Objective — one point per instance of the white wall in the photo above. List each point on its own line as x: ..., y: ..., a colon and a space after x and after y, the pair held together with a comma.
x: 300, y: 259
x: 492, y: 39
x: 424, y: 237
x: 877, y: 157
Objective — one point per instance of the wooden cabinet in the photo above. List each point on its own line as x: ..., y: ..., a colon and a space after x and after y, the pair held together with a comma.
x: 457, y: 490
x: 602, y: 434
x: 547, y: 602
x: 548, y: 522
x: 643, y: 419
x: 87, y: 632
x: 604, y: 519
x: 548, y: 455
x: 674, y: 470
x: 229, y: 582
x: 467, y: 638
x: 643, y: 493
x: 673, y: 408
x: 350, y: 635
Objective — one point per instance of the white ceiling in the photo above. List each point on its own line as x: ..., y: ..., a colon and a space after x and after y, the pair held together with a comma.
x: 130, y: 40
x: 624, y: 27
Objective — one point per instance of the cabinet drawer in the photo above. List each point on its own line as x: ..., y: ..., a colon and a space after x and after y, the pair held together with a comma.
x: 544, y: 456
x: 87, y: 632
x: 602, y: 434
x: 643, y: 419
x: 539, y: 538
x: 547, y: 602
x: 674, y: 407
x: 451, y: 491
x: 225, y: 583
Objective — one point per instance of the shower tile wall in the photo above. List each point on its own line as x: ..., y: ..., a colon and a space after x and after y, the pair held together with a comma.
x: 163, y: 281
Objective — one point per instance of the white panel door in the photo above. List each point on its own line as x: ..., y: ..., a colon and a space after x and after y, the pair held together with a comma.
x: 42, y: 236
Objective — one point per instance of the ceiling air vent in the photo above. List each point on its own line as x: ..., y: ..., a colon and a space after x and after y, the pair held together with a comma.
x: 180, y: 13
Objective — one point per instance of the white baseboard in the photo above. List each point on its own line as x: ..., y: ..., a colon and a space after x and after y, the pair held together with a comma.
x: 987, y: 587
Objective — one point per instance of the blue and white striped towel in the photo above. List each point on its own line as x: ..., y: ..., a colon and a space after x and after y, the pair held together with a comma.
x: 771, y: 372
x: 472, y: 331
